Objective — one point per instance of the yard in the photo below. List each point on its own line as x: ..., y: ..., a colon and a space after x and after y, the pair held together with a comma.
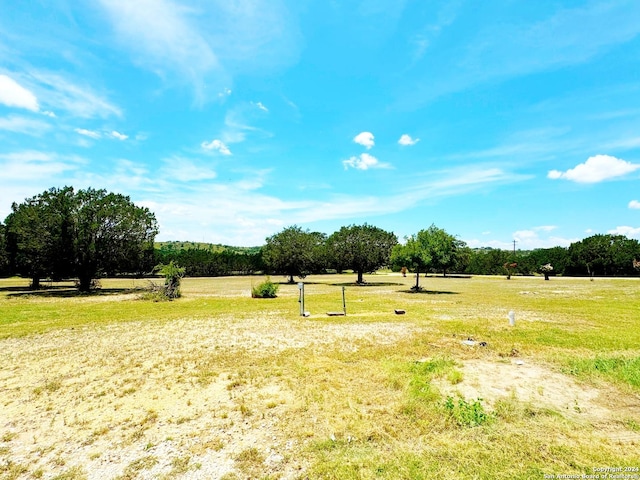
x: 219, y: 385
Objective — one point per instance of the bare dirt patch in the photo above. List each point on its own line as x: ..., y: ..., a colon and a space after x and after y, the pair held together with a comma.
x: 540, y: 386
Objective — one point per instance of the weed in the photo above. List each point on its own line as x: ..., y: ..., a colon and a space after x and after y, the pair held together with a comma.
x: 250, y: 460
x: 135, y: 467
x: 74, y: 473
x: 466, y: 414
x: 455, y: 377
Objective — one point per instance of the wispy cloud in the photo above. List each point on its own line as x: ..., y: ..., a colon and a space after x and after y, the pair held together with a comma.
x: 366, y: 139
x: 24, y: 125
x: 499, y: 52
x: 188, y: 170
x: 205, y: 44
x: 596, y: 169
x: 12, y: 94
x: 261, y: 106
x: 364, y: 162
x: 29, y: 172
x: 118, y: 136
x: 88, y: 133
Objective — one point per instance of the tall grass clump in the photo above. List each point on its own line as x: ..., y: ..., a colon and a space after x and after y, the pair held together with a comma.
x: 266, y: 289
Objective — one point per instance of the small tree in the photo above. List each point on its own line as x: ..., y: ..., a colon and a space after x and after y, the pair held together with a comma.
x: 510, y: 268
x: 172, y: 278
x: 414, y: 253
x: 546, y: 269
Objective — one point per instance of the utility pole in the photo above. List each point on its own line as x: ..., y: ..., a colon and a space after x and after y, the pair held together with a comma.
x: 514, y: 246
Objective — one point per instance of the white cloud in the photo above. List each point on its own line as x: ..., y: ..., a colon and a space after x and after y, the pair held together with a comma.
x: 596, y: 169
x: 364, y: 162
x: 12, y: 94
x: 217, y: 146
x: 261, y: 106
x: 629, y: 232
x: 88, y: 133
x: 118, y: 135
x: 20, y: 124
x: 366, y: 139
x: 635, y: 204
x: 49, y: 113
x: 406, y: 140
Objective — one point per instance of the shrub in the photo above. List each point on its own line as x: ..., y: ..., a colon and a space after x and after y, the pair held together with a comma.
x: 266, y: 289
x: 466, y: 414
x: 171, y: 289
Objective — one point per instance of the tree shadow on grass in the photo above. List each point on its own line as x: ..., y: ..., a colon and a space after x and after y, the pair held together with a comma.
x: 366, y: 284
x: 68, y: 292
x: 430, y: 292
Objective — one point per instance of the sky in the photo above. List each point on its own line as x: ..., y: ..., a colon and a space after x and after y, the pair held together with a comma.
x: 497, y: 121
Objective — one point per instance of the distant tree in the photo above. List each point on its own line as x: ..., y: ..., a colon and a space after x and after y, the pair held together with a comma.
x: 414, y: 254
x: 556, y: 256
x: 294, y: 252
x: 603, y: 254
x: 444, y: 248
x: 432, y: 248
x: 112, y: 234
x: 546, y: 270
x: 4, y: 255
x: 362, y: 248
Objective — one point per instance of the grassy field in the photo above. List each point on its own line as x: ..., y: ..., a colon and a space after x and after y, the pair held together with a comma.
x: 220, y: 385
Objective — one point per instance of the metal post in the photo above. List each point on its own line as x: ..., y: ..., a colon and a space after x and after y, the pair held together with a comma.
x: 301, y: 299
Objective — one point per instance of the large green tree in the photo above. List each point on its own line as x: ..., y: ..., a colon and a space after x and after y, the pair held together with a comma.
x: 362, y: 248
x: 112, y: 235
x: 39, y: 235
x: 294, y: 252
x: 61, y: 233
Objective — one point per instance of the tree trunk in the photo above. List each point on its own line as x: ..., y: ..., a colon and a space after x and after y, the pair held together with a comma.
x: 35, y: 283
x: 84, y: 283
x: 546, y: 276
x: 417, y: 287
x: 360, y: 280
x: 290, y: 279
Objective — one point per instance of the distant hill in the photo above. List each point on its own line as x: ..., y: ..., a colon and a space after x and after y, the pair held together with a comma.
x: 175, y: 246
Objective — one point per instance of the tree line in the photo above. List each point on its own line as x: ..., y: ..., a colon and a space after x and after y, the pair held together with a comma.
x: 88, y: 234
x: 365, y: 248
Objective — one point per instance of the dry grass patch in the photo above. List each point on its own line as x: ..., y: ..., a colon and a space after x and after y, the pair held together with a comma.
x: 217, y: 385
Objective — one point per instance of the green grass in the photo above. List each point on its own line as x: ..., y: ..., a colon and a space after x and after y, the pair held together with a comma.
x: 360, y: 405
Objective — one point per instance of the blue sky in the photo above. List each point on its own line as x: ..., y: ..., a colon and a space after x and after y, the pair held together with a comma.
x: 493, y: 120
